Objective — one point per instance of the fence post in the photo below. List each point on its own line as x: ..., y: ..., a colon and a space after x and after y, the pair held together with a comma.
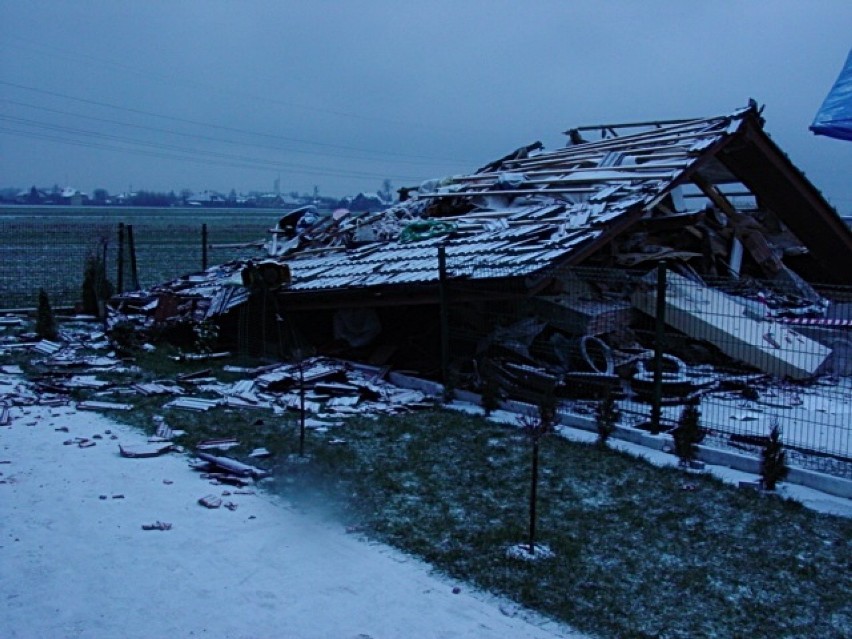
x: 204, y: 247
x: 445, y: 324
x: 656, y: 406
x: 131, y: 245
x: 120, y: 278
x: 100, y: 286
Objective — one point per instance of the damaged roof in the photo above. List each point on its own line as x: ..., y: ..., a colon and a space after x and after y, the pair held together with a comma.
x: 534, y: 210
x: 519, y: 217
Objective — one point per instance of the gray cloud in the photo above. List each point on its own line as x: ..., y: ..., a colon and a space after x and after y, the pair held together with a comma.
x: 343, y: 94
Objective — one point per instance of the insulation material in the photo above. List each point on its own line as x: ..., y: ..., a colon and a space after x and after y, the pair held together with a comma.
x: 707, y: 314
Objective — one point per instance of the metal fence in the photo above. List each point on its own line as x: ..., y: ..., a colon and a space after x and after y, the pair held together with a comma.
x: 51, y: 252
x: 749, y: 354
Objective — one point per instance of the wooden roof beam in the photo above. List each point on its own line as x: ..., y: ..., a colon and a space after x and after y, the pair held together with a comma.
x: 754, y: 159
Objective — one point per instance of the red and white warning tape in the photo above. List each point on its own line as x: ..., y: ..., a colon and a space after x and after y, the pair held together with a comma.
x: 813, y: 321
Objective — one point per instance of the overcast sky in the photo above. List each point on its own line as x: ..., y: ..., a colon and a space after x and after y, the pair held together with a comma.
x: 214, y: 94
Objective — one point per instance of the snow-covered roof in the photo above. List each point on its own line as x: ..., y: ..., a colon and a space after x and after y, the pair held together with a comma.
x: 518, y: 218
x: 531, y: 210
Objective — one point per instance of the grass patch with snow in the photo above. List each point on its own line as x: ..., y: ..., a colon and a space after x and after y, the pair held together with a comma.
x: 639, y: 551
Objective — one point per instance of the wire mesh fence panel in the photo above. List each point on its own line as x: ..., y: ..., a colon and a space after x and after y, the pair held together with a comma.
x: 168, y: 250
x: 49, y: 249
x: 749, y: 354
x: 48, y: 254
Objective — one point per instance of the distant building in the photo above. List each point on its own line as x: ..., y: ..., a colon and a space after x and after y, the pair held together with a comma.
x: 372, y: 201
x: 32, y: 196
x: 73, y: 197
x: 208, y: 199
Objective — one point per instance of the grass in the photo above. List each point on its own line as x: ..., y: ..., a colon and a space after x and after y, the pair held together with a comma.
x: 637, y: 555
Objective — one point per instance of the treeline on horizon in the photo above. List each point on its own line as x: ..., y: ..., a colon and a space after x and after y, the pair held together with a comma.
x: 142, y: 198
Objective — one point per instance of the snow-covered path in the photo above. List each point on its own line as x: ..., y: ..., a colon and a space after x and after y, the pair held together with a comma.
x: 75, y: 561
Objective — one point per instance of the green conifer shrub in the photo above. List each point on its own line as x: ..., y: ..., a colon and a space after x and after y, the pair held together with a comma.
x: 45, y: 319
x: 606, y: 417
x: 773, y: 459
x: 96, y: 287
x: 687, y: 434
x: 490, y: 392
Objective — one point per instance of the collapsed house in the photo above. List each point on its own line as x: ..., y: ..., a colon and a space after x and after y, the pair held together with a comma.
x: 532, y: 231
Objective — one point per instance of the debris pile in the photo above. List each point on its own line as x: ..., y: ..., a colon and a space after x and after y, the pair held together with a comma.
x: 713, y: 197
x: 567, y: 243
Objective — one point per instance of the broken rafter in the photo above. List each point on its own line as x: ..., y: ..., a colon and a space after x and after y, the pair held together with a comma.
x: 751, y: 238
x: 661, y: 143
x: 697, y: 127
x: 541, y: 191
x: 716, y: 196
x: 628, y: 169
x: 648, y: 140
x: 635, y: 125
x: 728, y: 194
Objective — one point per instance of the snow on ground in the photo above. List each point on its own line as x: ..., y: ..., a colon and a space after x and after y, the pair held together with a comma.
x: 813, y: 418
x: 810, y: 498
x: 76, y: 561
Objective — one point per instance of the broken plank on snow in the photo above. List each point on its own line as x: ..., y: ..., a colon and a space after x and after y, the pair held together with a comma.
x: 233, y: 466
x: 222, y: 443
x: 192, y: 403
x: 142, y: 450
x: 95, y: 405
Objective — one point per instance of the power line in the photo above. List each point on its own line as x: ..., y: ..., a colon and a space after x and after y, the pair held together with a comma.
x: 64, y: 54
x: 211, y: 125
x: 213, y: 161
x: 208, y: 138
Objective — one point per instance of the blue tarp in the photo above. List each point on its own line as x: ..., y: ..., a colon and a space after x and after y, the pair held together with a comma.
x: 834, y: 117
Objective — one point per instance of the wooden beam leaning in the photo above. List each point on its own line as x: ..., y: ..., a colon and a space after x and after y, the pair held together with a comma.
x: 744, y: 228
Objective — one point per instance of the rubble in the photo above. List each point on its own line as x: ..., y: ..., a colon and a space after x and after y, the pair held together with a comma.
x: 210, y: 501
x: 535, y: 266
x: 157, y: 388
x: 46, y: 347
x: 713, y: 197
x: 11, y: 369
x: 193, y: 404
x: 163, y: 432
